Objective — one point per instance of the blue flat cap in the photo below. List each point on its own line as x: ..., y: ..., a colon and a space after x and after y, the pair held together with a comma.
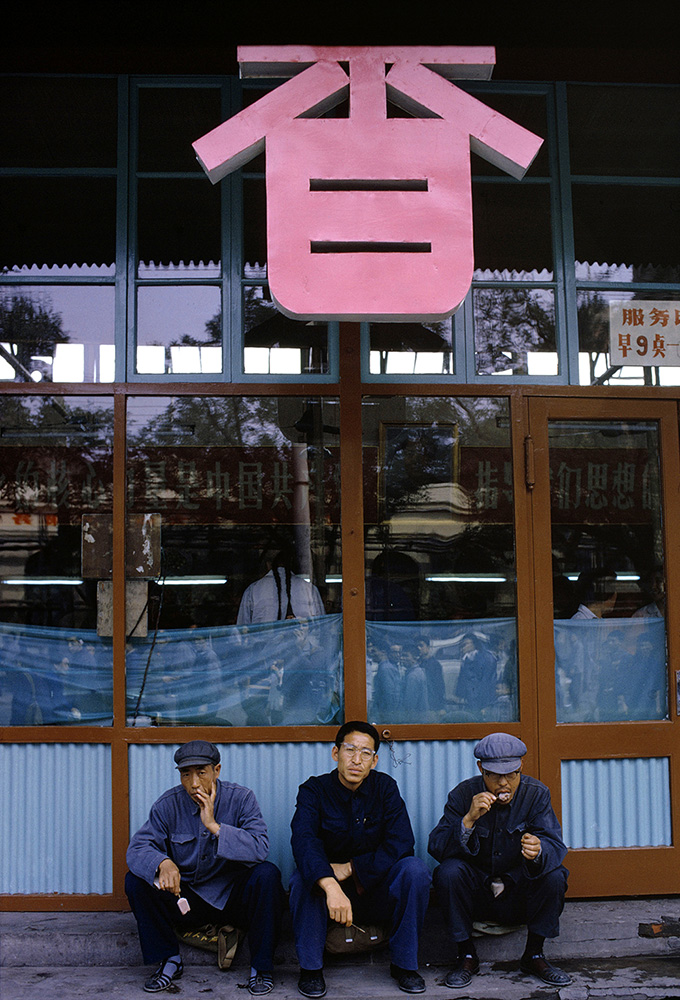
x: 500, y: 752
x: 197, y: 753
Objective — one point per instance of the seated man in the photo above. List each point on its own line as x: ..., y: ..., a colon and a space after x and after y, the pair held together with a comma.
x: 204, y: 844
x: 353, y: 847
x: 501, y: 851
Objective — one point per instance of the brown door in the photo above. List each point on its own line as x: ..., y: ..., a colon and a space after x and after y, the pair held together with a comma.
x: 607, y: 570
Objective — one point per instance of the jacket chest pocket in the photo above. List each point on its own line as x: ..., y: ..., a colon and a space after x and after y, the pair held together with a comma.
x: 183, y: 847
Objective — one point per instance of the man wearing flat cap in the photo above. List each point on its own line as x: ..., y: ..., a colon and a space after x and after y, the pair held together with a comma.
x: 500, y: 851
x: 200, y: 859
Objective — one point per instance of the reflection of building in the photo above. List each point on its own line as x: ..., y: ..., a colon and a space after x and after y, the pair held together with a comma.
x: 144, y: 370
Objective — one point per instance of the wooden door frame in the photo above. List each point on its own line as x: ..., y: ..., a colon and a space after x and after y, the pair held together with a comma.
x: 608, y: 871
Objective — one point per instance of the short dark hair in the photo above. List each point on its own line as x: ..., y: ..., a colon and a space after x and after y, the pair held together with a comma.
x: 358, y: 726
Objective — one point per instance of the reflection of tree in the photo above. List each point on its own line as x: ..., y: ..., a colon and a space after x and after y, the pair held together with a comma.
x: 509, y: 323
x: 593, y: 327
x: 30, y: 329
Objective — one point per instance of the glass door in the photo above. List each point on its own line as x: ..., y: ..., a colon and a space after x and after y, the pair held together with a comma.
x: 606, y: 555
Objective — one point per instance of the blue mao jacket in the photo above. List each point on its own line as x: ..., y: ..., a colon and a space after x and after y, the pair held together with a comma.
x: 369, y: 827
x: 208, y: 863
x: 494, y: 845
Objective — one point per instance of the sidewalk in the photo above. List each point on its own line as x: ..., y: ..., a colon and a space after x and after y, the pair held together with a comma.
x: 68, y: 956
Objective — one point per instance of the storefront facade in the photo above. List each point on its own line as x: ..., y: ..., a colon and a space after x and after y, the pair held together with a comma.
x: 441, y: 499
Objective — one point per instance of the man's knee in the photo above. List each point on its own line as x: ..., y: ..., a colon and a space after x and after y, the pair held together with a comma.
x: 552, y: 883
x: 134, y: 886
x: 266, y: 875
x: 411, y: 872
x: 454, y: 873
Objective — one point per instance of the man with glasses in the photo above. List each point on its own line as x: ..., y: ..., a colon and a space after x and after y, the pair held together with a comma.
x: 353, y: 846
x: 500, y: 850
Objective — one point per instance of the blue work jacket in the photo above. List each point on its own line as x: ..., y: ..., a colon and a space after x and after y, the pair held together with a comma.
x: 369, y: 827
x: 208, y: 863
x: 494, y: 845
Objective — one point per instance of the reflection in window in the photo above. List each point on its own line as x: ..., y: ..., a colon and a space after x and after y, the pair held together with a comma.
x: 179, y: 329
x: 595, y: 366
x: 626, y: 233
x: 608, y: 581
x: 58, y: 225
x: 56, y: 469
x: 240, y: 619
x: 57, y: 333
x: 411, y: 348
x: 276, y: 344
x: 515, y: 331
x: 440, y: 563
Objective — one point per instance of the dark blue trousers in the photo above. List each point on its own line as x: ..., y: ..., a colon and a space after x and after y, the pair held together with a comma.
x: 400, y: 899
x: 255, y: 903
x: 464, y: 893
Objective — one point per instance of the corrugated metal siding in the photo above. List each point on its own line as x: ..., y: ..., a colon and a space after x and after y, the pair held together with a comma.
x: 425, y: 773
x: 55, y: 821
x: 616, y: 803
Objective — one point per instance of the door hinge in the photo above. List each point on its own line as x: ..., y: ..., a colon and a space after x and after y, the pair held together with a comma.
x: 529, y: 473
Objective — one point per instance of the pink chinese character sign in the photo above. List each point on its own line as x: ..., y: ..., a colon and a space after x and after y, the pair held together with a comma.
x: 368, y: 217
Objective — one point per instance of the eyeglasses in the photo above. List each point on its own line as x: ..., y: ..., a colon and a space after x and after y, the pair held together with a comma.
x: 365, y: 754
x: 493, y: 776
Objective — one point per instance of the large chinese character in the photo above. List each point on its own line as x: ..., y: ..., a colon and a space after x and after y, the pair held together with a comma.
x: 368, y: 217
x: 623, y: 485
x: 568, y: 487
x: 486, y: 493
x: 596, y: 476
x: 250, y: 485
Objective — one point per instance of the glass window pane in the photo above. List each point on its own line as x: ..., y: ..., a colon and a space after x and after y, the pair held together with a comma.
x: 58, y: 225
x: 239, y: 492
x: 625, y: 233
x: 61, y: 333
x: 170, y: 119
x: 179, y: 227
x: 276, y: 344
x: 179, y: 329
x: 411, y: 348
x: 624, y: 131
x: 53, y: 122
x: 608, y: 580
x: 254, y: 228
x: 595, y: 367
x: 512, y: 235
x: 56, y: 476
x: 440, y: 561
x: 515, y: 331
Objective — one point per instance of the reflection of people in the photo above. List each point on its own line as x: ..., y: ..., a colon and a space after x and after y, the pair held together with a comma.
x: 393, y: 588
x: 500, y: 851
x: 280, y: 594
x: 353, y: 847
x: 476, y: 686
x: 434, y: 674
x: 596, y: 593
x: 414, y: 702
x: 653, y: 587
x: 205, y: 842
x: 386, y: 696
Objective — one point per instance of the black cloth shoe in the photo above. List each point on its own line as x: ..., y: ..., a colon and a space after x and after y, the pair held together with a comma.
x: 161, y: 980
x: 407, y: 980
x: 311, y: 983
x: 539, y: 966
x: 462, y: 972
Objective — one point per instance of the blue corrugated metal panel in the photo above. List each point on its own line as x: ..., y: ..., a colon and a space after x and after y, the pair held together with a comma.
x: 616, y: 803
x: 425, y: 772
x: 55, y: 822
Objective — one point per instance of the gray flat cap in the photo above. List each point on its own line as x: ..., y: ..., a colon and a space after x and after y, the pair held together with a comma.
x: 500, y: 752
x: 197, y: 753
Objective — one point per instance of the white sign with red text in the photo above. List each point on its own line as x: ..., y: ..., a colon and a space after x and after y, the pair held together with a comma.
x: 644, y: 332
